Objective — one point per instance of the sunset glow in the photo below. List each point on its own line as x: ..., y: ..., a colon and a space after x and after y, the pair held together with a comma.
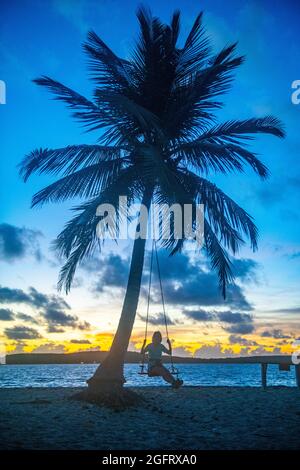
x: 261, y: 313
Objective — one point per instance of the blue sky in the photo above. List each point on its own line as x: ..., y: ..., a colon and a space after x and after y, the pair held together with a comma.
x: 45, y: 37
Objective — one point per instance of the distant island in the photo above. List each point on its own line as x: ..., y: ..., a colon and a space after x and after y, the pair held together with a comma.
x: 91, y: 357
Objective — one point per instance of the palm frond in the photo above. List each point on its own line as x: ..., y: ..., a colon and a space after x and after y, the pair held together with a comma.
x: 217, y: 77
x: 222, y: 157
x: 86, y: 182
x: 138, y: 120
x: 224, y: 212
x: 191, y: 103
x: 68, y: 270
x: 154, y: 114
x: 219, y: 148
x: 229, y: 221
x: 107, y: 69
x: 85, y: 110
x: 195, y: 52
x: 234, y: 130
x: 66, y: 160
x: 62, y: 93
x: 219, y: 258
x: 79, y: 237
x: 175, y: 26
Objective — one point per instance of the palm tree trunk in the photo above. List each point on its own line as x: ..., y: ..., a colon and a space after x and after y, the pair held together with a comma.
x: 109, y: 376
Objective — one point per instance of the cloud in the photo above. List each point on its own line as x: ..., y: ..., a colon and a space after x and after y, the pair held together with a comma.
x: 20, y: 332
x: 187, y: 283
x: 11, y: 296
x: 6, y: 314
x: 245, y: 269
x: 271, y: 194
x: 92, y: 264
x: 80, y: 341
x: 157, y: 319
x: 112, y: 272
x: 295, y: 255
x: 232, y: 322
x: 184, y: 282
x: 199, y: 315
x: 18, y: 242
x: 181, y: 351
x: 242, y: 328
x: 233, y: 317
x: 52, y: 308
x: 40, y: 300
x: 74, y: 12
x: 77, y: 282
x: 292, y: 310
x: 215, y: 351
x: 57, y: 318
x: 55, y: 329
x: 276, y: 334
x: 50, y: 348
x: 235, y: 339
x: 261, y: 351
x: 26, y: 318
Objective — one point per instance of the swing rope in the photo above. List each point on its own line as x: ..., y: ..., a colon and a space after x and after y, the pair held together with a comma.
x: 149, y: 292
x: 174, y: 371
x: 163, y: 304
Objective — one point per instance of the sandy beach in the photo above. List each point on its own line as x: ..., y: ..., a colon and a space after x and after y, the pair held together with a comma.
x: 190, y: 418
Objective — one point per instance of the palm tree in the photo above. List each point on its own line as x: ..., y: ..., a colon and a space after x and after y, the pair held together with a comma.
x: 158, y: 140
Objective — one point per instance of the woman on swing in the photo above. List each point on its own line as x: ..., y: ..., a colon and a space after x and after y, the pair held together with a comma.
x: 155, y: 366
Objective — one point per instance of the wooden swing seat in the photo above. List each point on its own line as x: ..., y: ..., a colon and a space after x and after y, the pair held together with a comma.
x: 173, y: 370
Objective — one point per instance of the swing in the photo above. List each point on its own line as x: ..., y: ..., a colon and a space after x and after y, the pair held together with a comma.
x: 173, y: 370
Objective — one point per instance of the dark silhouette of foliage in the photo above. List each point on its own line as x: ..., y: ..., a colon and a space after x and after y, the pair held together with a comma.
x: 154, y: 119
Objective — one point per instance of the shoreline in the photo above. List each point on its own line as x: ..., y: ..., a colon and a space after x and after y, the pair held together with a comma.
x: 92, y: 357
x: 190, y: 418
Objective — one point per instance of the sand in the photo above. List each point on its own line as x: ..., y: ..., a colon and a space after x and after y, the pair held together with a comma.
x: 189, y: 418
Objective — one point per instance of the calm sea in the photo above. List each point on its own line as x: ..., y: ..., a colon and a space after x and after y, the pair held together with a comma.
x: 75, y: 375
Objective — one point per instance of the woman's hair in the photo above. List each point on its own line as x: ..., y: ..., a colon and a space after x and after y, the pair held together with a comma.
x: 157, y: 337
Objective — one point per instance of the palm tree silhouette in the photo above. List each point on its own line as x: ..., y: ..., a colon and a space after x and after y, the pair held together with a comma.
x: 157, y: 141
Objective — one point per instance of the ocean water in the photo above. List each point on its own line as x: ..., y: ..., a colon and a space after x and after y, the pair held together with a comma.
x: 75, y: 375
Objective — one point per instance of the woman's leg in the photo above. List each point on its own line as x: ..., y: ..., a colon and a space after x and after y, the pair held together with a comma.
x: 161, y: 371
x: 167, y: 376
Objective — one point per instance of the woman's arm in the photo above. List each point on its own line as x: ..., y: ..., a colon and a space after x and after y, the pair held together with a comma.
x: 143, y: 350
x: 169, y: 351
